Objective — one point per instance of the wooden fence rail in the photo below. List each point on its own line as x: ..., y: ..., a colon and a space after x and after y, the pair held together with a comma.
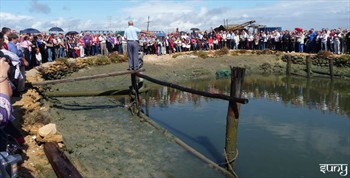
x: 50, y: 82
x: 193, y: 91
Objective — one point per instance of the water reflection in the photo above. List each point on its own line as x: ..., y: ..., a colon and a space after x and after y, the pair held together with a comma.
x: 315, y: 94
x: 288, y: 128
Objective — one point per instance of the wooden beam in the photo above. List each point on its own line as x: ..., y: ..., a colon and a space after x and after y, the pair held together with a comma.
x: 331, y: 68
x: 190, y: 90
x: 59, y: 162
x: 308, y: 66
x: 237, y: 78
x: 92, y: 93
x: 51, y: 82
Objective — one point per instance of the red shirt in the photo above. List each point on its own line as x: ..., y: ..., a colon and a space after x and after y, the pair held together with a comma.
x: 210, y: 40
x: 5, y: 46
x: 218, y: 37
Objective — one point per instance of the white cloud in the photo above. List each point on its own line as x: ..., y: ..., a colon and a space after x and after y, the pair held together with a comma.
x: 169, y: 15
x: 13, y: 17
x: 288, y: 14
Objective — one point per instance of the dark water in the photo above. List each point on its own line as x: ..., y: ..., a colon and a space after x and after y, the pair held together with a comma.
x: 287, y: 129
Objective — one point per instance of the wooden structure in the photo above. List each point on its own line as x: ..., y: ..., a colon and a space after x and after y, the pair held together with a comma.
x: 234, y: 27
x: 51, y: 82
x: 64, y: 168
x: 231, y: 151
x: 59, y: 162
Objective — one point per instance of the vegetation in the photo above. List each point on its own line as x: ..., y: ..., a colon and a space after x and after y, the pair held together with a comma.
x: 64, y: 66
x: 344, y: 58
x: 324, y: 54
x: 222, y: 51
x: 201, y: 54
x: 265, y: 51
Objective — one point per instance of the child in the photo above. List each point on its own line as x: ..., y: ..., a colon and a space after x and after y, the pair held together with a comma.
x: 38, y: 56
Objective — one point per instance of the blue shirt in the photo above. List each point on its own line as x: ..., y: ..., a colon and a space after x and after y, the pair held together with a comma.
x: 131, y: 33
x: 13, y: 48
x: 312, y: 36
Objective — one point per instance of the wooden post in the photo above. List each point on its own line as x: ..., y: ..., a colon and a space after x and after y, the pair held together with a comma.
x: 289, y: 88
x: 307, y: 92
x: 237, y: 78
x: 331, y: 92
x: 147, y: 103
x: 331, y: 68
x: 59, y: 161
x: 289, y: 65
x: 136, y: 90
x: 308, y: 66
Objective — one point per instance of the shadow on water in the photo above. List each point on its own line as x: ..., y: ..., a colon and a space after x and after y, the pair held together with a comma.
x: 202, y: 140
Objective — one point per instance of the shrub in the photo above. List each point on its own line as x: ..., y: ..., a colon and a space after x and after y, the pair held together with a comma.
x: 176, y: 55
x: 234, y: 53
x: 222, y: 51
x: 345, y: 57
x: 113, y: 57
x: 102, y: 60
x: 324, y: 54
x: 123, y: 58
x: 202, y: 54
x: 265, y: 51
x: 242, y: 51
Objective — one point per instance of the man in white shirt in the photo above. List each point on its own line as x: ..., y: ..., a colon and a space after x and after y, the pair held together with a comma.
x: 133, y: 44
x: 277, y: 36
x: 102, y: 39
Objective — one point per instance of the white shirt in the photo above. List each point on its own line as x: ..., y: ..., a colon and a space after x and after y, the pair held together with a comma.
x: 102, y: 39
x: 38, y: 57
x: 131, y: 33
x: 277, y: 37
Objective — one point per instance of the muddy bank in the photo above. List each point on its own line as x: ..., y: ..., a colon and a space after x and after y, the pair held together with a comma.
x: 104, y: 140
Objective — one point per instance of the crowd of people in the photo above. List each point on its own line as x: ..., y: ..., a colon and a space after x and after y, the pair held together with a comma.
x: 311, y: 41
x: 30, y: 50
x: 10, y: 81
x: 44, y: 47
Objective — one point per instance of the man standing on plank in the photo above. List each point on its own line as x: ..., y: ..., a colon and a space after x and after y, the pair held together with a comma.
x: 133, y: 44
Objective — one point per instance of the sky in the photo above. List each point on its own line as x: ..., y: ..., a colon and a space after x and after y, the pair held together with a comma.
x: 167, y: 15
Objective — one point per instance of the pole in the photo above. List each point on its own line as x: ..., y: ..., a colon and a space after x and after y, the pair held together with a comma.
x: 148, y: 23
x: 308, y: 66
x: 136, y: 90
x: 237, y: 78
x: 331, y: 68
